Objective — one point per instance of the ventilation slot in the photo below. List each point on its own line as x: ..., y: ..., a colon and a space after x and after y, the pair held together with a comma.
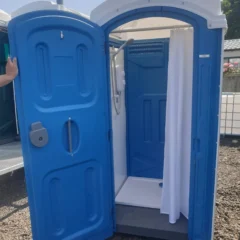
x: 150, y: 48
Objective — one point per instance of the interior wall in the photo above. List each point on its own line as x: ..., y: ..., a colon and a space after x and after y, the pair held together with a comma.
x: 146, y: 65
x: 119, y: 135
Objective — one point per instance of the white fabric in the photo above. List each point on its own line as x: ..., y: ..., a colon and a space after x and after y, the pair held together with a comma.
x: 176, y: 177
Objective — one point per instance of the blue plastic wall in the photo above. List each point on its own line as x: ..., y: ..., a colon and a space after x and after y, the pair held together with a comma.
x: 146, y: 65
x: 205, y: 120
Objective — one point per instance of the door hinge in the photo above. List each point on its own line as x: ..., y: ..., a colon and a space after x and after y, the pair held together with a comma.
x: 113, y: 214
x: 109, y: 135
x: 113, y: 217
x: 105, y: 47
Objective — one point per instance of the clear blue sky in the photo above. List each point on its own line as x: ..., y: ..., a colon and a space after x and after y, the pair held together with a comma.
x: 84, y: 6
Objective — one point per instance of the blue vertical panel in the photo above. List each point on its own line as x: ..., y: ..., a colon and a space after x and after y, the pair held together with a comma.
x: 62, y: 84
x: 205, y: 136
x: 146, y: 71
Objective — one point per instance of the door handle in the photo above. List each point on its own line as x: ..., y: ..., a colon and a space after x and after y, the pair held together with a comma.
x: 70, y: 147
x: 38, y: 135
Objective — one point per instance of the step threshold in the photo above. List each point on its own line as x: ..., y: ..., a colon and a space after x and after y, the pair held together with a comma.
x: 148, y: 222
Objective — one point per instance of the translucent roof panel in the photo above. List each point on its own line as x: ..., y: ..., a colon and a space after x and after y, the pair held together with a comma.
x: 148, y: 23
x: 208, y: 9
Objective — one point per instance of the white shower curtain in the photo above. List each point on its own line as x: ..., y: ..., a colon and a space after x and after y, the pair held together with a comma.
x: 176, y: 177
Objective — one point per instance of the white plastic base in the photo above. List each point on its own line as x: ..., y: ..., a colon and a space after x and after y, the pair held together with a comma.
x: 140, y: 192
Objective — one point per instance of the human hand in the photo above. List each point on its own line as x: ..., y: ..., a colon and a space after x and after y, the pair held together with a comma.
x: 11, y: 69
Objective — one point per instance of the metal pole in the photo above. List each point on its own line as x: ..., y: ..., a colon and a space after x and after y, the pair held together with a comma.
x: 60, y: 2
x: 150, y: 29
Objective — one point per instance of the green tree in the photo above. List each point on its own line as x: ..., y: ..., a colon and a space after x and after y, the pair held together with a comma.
x: 232, y: 10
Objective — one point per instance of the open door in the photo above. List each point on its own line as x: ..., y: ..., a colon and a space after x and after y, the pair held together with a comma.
x: 62, y: 104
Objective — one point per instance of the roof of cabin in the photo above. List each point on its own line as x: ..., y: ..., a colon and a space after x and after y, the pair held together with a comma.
x: 208, y: 9
x: 231, y: 45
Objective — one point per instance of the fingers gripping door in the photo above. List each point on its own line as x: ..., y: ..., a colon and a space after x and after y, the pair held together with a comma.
x: 63, y: 114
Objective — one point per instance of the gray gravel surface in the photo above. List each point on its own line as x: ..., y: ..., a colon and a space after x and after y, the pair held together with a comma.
x: 14, y: 213
x: 227, y: 222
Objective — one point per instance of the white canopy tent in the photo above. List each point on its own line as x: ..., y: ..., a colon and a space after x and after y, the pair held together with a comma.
x: 4, y: 19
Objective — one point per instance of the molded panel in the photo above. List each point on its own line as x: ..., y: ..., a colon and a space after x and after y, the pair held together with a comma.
x: 87, y: 211
x: 147, y: 63
x: 69, y: 180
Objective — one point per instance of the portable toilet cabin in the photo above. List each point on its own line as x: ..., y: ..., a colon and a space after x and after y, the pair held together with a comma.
x: 7, y: 115
x: 120, y: 129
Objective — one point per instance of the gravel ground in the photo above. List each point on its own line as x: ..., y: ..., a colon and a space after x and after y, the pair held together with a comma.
x: 14, y: 213
x: 227, y: 223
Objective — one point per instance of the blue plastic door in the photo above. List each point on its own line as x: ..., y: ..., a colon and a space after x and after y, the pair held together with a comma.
x: 146, y: 68
x: 63, y: 113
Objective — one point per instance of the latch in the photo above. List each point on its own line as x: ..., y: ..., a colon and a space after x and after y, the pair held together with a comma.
x: 38, y: 135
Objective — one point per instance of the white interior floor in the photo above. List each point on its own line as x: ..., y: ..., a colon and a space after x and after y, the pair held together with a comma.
x: 140, y: 192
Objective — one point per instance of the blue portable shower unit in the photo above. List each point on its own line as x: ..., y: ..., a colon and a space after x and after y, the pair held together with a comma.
x: 67, y: 128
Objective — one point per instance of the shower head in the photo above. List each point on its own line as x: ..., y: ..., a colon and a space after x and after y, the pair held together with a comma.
x: 127, y: 43
x: 116, y: 92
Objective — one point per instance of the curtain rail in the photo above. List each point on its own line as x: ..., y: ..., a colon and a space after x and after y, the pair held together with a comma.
x: 150, y: 29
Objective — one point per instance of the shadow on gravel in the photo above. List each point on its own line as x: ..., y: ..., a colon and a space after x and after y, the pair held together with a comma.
x: 12, y: 191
